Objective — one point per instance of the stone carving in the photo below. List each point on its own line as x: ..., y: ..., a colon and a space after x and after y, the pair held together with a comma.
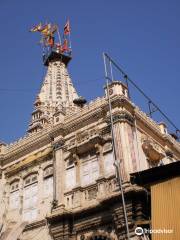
x: 92, y: 193
x: 107, y: 147
x: 168, y: 152
x: 82, y: 137
x: 152, y: 150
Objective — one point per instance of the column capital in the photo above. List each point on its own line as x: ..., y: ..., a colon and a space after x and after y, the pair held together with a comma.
x: 98, y: 148
x: 58, y: 145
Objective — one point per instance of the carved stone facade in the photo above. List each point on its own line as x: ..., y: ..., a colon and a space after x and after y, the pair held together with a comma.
x: 59, y: 181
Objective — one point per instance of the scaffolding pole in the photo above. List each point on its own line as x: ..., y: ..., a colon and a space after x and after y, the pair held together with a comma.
x: 117, y: 163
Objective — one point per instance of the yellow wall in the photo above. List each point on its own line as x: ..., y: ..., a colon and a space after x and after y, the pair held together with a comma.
x: 165, y: 207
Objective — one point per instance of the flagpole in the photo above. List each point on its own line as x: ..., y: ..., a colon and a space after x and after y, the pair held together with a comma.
x: 70, y: 46
x: 70, y: 41
x: 58, y: 34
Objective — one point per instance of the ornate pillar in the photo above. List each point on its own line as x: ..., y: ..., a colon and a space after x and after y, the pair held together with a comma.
x: 2, y: 182
x: 77, y: 195
x: 21, y: 189
x: 101, y: 179
x: 122, y: 111
x: 40, y: 192
x: 77, y: 169
x: 99, y: 152
x: 119, y: 149
x: 59, y: 174
x: 124, y: 143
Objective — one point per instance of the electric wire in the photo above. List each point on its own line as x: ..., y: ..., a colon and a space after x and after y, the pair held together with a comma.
x: 141, y: 91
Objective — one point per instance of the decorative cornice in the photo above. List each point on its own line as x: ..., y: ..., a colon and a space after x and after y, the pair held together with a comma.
x: 124, y: 116
x: 85, y: 140
x: 34, y: 225
x: 30, y: 144
x: 30, y: 160
x: 154, y: 127
x: 91, y: 113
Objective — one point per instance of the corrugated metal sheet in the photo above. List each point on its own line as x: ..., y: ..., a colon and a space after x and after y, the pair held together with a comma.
x: 165, y: 207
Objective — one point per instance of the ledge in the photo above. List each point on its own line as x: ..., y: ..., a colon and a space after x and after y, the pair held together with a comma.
x: 35, y: 224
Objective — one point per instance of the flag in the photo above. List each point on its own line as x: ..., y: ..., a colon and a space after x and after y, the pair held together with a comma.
x: 51, y: 41
x: 65, y: 46
x: 45, y: 30
x: 36, y: 28
x: 54, y: 29
x: 67, y: 28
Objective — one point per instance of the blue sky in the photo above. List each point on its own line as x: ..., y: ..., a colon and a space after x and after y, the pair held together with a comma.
x: 142, y: 36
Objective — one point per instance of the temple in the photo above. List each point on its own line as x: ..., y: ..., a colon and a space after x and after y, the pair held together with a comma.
x: 59, y: 181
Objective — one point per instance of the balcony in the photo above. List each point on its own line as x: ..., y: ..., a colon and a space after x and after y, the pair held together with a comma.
x: 91, y: 195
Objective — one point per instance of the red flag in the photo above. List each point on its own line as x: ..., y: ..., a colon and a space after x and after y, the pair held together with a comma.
x: 51, y: 41
x: 65, y: 46
x: 67, y: 28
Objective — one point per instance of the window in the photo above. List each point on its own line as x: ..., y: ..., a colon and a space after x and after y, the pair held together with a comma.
x: 48, y: 182
x: 70, y: 177
x: 30, y: 198
x: 48, y: 171
x: 108, y: 163
x: 14, y: 199
x: 30, y: 179
x: 89, y: 171
x: 30, y: 216
x: 70, y: 163
x: 48, y: 187
x: 14, y: 186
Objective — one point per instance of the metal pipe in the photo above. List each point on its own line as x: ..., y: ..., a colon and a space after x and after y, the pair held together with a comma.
x: 116, y: 163
x: 112, y: 78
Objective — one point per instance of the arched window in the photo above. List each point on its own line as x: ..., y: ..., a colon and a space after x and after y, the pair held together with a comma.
x: 30, y: 198
x: 14, y: 186
x: 48, y: 182
x: 30, y: 179
x: 48, y: 171
x: 14, y: 199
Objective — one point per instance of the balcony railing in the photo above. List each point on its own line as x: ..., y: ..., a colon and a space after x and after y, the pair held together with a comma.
x: 83, y: 197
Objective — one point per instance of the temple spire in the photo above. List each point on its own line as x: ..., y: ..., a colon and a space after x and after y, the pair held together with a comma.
x: 56, y: 94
